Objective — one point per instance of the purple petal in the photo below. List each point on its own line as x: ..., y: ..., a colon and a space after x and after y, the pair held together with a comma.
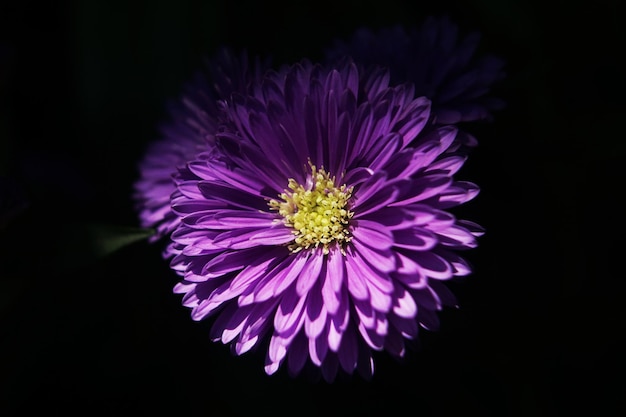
x: 251, y: 237
x: 253, y: 272
x: 433, y: 265
x: 373, y: 234
x: 415, y: 238
x: 298, y: 353
x: 318, y: 348
x: 356, y: 284
x: 348, y: 352
x: 329, y: 368
x: 381, y: 260
x: 289, y: 313
x: 423, y: 188
x: 231, y: 261
x: 404, y: 304
x: 310, y: 273
x: 231, y: 196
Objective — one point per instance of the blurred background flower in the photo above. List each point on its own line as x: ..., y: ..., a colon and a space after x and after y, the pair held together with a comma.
x: 191, y: 130
x: 438, y: 59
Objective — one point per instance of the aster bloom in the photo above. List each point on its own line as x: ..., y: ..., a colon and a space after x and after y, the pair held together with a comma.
x: 314, y: 229
x: 442, y: 66
x: 190, y: 131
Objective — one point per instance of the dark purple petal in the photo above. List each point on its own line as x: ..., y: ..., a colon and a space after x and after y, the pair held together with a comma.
x: 318, y: 349
x: 229, y: 261
x: 404, y: 305
x: 250, y: 237
x: 298, y: 354
x: 231, y: 196
x: 433, y: 265
x: 422, y: 188
x: 290, y: 313
x: 415, y: 238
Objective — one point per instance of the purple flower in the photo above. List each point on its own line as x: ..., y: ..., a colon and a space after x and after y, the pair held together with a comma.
x: 314, y: 227
x: 190, y: 131
x: 441, y: 65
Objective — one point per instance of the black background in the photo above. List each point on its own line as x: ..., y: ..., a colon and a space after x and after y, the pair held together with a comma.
x: 540, y: 330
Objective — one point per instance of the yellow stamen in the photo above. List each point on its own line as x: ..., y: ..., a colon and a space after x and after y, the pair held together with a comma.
x: 319, y: 215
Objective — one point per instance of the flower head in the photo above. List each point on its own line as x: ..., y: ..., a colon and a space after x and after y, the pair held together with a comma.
x: 191, y: 130
x: 313, y: 224
x: 441, y: 65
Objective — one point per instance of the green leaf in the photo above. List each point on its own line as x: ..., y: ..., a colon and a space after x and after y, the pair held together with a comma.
x: 106, y: 239
x: 82, y: 244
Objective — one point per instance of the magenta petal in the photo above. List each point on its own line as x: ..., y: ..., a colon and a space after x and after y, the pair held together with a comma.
x: 445, y: 295
x: 372, y: 234
x: 348, y: 353
x: 383, y: 198
x: 357, y: 176
x: 315, y: 325
x: 423, y: 188
x: 291, y: 273
x: 330, y: 296
x: 408, y: 327
x: 251, y: 237
x: 204, y: 309
x: 256, y: 327
x: 382, y: 261
x: 318, y: 349
x: 365, y: 313
x: 276, y: 352
x: 428, y: 319
x: 426, y: 298
x: 335, y: 269
x: 329, y: 368
x: 380, y: 300
x: 250, y: 274
x: 415, y: 238
x: 231, y: 196
x: 459, y: 265
x: 245, y: 218
x: 356, y: 284
x: 374, y: 340
x: 189, y: 189
x: 404, y: 304
x: 310, y: 273
x: 231, y: 325
x: 433, y: 265
x: 391, y: 218
x: 229, y: 261
x: 450, y: 165
x: 335, y: 336
x: 283, y: 275
x: 370, y: 274
x: 410, y: 273
x: 458, y: 193
x: 457, y: 237
x: 394, y: 343
x: 289, y: 313
x: 298, y: 353
x: 370, y: 187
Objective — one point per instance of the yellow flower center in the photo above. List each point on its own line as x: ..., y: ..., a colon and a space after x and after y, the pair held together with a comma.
x: 319, y: 215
